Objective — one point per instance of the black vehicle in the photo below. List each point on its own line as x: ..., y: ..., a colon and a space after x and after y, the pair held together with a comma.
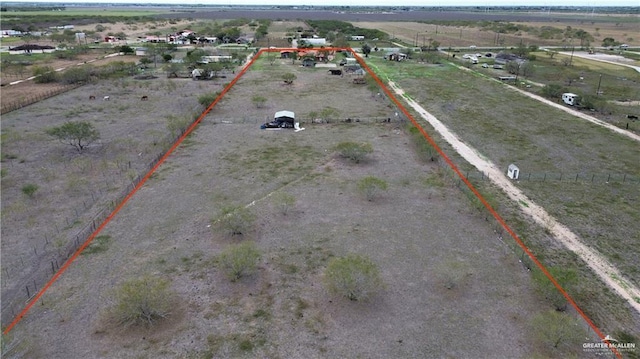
x: 282, y: 119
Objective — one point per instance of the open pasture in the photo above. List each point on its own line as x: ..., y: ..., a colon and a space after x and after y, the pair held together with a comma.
x: 447, y: 274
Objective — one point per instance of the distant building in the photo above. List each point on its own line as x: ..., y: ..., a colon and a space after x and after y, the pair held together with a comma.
x: 6, y: 33
x: 313, y: 41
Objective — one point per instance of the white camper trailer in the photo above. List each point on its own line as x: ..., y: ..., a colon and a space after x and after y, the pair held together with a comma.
x: 569, y: 98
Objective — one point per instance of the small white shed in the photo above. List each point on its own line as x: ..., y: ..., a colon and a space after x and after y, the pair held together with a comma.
x: 513, y: 172
x: 569, y: 98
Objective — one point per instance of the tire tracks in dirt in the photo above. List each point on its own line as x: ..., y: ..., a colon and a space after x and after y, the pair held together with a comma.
x: 598, y: 264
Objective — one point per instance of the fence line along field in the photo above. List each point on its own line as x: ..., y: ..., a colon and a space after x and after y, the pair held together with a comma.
x: 552, y: 142
x: 40, y: 228
x: 419, y: 232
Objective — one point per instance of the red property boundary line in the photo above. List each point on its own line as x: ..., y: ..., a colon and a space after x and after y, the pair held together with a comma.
x: 491, y: 210
x: 393, y: 98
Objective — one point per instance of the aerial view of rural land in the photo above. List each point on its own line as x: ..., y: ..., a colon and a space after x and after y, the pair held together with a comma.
x: 286, y: 179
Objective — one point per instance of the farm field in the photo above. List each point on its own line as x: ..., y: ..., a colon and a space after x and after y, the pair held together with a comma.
x: 416, y: 33
x: 541, y: 141
x: 447, y: 275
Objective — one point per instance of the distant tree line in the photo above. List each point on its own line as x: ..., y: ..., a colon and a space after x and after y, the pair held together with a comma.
x: 333, y: 29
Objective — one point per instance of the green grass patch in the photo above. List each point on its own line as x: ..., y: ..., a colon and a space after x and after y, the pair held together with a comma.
x: 98, y: 245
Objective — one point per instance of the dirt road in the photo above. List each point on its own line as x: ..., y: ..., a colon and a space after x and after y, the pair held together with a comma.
x: 567, y: 109
x: 605, y: 270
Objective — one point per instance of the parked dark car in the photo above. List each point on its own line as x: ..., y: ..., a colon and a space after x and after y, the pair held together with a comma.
x: 282, y: 119
x: 279, y: 123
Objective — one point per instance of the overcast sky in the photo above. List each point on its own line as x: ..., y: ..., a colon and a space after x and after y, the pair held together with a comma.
x: 582, y: 3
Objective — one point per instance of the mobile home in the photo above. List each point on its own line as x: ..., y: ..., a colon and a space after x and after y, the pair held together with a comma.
x: 569, y: 98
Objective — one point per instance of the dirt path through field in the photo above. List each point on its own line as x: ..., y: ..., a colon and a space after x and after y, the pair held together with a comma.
x: 573, y: 112
x: 605, y: 270
x: 567, y: 109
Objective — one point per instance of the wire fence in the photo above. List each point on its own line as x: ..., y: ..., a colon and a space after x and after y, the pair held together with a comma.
x: 305, y: 120
x: 28, y: 100
x: 595, y: 178
x: 526, y: 235
x: 49, y: 255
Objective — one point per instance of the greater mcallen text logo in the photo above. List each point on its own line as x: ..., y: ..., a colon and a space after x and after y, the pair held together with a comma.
x: 607, y: 344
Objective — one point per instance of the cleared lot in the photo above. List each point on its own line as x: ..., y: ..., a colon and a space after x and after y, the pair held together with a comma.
x: 447, y: 274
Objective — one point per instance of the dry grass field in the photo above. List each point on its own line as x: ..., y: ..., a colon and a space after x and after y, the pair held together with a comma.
x: 417, y: 33
x: 447, y: 276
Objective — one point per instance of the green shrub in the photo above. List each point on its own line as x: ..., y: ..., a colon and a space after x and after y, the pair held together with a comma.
x: 177, y: 125
x: 259, y: 101
x: 553, y: 91
x: 207, y: 99
x: 236, y: 220
x: 355, y: 152
x: 426, y: 152
x: 30, y: 190
x: 353, y: 276
x: 288, y: 78
x: 76, y: 74
x: 44, y: 74
x: 97, y: 245
x: 77, y: 134
x: 567, y: 278
x: 370, y: 187
x: 239, y: 260
x: 142, y: 301
x: 559, y: 333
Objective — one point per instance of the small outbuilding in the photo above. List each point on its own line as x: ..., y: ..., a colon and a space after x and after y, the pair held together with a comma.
x: 513, y: 172
x: 569, y: 98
